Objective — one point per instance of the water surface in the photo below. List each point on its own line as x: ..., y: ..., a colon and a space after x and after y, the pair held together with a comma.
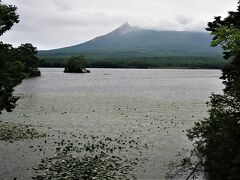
x: 162, y: 84
x: 155, y: 106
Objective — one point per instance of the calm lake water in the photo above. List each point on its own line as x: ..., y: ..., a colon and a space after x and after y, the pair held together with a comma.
x: 155, y: 106
x: 167, y: 85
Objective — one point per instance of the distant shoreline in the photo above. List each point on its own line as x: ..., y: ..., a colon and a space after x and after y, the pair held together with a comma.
x: 171, y: 62
x: 177, y: 68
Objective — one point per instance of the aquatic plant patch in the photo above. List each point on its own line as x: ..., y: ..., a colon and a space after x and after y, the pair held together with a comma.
x: 105, y: 158
x: 13, y: 132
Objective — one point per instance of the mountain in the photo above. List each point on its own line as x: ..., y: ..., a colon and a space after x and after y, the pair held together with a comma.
x: 128, y: 41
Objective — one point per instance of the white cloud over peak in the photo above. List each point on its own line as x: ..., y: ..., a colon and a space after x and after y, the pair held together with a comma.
x: 51, y: 24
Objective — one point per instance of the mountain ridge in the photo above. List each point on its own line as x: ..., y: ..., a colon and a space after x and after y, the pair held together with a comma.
x: 130, y: 41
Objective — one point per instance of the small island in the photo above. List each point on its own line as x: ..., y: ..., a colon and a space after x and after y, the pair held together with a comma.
x: 76, y: 64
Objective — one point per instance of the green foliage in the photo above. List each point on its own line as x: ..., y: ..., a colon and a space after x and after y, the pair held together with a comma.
x: 220, y: 133
x: 8, y: 17
x: 10, y: 70
x: 228, y: 38
x: 27, y: 54
x: 217, y: 138
x: 76, y: 65
x: 11, y: 74
x: 16, y: 63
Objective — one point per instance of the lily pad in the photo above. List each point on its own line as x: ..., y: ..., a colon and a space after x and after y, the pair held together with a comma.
x: 98, y: 159
x: 13, y: 132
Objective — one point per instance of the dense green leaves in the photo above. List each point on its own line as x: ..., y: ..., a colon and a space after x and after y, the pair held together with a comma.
x: 11, y: 74
x: 16, y: 63
x: 216, y: 139
x: 220, y: 133
x: 8, y: 17
x: 27, y: 54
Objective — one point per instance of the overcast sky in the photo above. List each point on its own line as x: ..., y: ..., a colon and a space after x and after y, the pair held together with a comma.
x: 51, y: 24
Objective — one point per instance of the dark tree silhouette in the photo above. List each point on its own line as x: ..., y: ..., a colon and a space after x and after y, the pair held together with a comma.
x: 76, y: 65
x: 8, y: 17
x: 11, y: 74
x: 27, y: 54
x: 15, y: 63
x: 216, y: 139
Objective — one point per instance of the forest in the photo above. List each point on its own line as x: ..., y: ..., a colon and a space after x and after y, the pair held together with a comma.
x: 144, y: 63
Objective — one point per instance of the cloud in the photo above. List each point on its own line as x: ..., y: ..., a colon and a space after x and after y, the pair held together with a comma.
x: 58, y: 23
x: 185, y: 19
x: 62, y: 7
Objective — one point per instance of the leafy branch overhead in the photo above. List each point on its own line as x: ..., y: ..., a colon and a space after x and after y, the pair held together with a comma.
x: 8, y: 17
x: 228, y: 38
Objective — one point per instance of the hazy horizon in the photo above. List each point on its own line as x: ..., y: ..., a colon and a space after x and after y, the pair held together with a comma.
x: 53, y: 24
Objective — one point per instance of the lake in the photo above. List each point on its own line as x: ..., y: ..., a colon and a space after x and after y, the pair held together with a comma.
x: 154, y: 106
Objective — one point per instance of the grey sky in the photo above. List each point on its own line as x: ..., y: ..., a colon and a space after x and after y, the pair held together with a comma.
x: 51, y: 24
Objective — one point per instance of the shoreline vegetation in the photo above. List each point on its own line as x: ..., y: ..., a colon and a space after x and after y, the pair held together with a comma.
x: 141, y: 63
x: 17, y: 63
x: 215, y: 140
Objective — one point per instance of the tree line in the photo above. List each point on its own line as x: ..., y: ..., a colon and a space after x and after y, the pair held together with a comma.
x: 143, y: 63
